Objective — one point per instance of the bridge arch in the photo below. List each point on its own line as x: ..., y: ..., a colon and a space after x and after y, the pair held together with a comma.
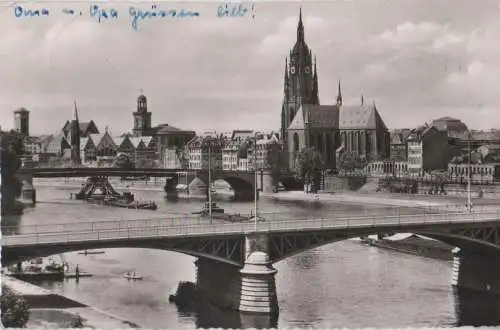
x: 238, y: 184
x: 485, y: 240
x: 229, y: 250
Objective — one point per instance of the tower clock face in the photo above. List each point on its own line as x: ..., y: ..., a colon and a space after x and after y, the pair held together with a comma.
x: 293, y: 70
x: 308, y: 70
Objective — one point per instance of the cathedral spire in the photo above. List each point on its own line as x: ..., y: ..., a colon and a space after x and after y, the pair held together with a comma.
x: 339, y: 96
x: 286, y: 85
x: 75, y: 139
x: 314, y: 91
x: 300, y: 27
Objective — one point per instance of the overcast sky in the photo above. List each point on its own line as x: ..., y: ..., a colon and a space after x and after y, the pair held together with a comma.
x: 419, y: 60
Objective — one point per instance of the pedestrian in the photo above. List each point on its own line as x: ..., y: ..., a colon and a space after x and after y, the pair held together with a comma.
x: 77, y: 271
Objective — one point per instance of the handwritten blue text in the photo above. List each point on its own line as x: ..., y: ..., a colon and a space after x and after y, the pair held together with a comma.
x: 234, y: 10
x: 99, y: 13
x: 23, y: 12
x: 140, y: 14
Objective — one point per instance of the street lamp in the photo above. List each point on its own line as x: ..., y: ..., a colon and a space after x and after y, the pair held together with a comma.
x: 469, y: 173
x: 255, y: 183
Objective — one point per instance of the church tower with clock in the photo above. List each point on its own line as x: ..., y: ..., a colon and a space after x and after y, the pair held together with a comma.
x: 301, y: 81
x: 142, y: 118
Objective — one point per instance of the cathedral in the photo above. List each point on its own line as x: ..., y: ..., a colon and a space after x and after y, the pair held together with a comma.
x: 331, y: 129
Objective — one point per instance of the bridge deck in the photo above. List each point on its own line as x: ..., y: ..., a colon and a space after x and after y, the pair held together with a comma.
x: 113, y: 171
x: 166, y: 229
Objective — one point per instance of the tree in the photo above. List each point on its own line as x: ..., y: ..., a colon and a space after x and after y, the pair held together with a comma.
x: 11, y: 152
x: 15, y: 309
x: 349, y: 162
x: 309, y: 164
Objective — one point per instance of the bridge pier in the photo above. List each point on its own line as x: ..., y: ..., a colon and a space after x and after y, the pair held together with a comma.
x: 170, y: 188
x: 251, y: 289
x: 258, y: 284
x: 476, y: 272
x: 28, y: 191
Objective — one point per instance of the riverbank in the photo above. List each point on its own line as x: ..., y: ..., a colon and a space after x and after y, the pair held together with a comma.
x: 396, y: 200
x: 51, y: 310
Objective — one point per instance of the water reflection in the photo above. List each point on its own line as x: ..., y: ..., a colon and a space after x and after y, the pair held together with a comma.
x: 191, y: 303
x: 474, y: 308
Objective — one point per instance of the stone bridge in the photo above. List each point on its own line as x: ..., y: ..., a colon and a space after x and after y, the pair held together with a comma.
x: 242, y: 182
x: 235, y: 259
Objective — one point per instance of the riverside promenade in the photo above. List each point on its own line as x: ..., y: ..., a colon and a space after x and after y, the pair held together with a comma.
x: 54, y: 310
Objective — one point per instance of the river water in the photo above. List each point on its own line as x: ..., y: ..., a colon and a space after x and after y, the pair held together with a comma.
x: 344, y: 284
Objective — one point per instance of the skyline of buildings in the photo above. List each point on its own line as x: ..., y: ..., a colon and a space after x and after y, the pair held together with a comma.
x: 416, y: 64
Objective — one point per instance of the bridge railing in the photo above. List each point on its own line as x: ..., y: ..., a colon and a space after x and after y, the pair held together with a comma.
x: 237, y: 228
x: 184, y: 220
x: 368, y: 216
x: 162, y: 230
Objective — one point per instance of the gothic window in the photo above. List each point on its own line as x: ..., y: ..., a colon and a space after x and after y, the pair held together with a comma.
x: 320, y: 143
x: 295, y: 142
x: 292, y: 113
x: 368, y: 143
x: 328, y: 148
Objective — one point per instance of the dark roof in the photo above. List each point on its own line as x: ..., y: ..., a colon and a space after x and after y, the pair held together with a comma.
x: 21, y: 110
x: 83, y: 126
x: 360, y: 117
x: 322, y: 116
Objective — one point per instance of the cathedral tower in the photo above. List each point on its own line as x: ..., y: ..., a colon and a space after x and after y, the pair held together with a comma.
x: 301, y: 81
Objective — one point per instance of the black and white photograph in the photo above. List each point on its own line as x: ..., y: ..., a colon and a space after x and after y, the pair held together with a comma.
x: 266, y: 164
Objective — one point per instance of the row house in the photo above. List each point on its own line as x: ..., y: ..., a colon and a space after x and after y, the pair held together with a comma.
x: 428, y: 150
x: 231, y: 153
x: 399, y: 147
x: 104, y: 147
x: 268, y: 150
x: 205, y: 149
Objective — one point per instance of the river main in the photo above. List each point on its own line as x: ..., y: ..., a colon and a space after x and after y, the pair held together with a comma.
x: 344, y: 284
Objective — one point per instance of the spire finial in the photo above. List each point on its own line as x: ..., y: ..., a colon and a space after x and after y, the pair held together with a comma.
x: 300, y: 27
x: 76, y: 111
x: 362, y: 100
x: 339, y: 96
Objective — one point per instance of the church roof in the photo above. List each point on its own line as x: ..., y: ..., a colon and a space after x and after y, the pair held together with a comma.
x: 360, y: 117
x: 316, y: 116
x: 322, y: 116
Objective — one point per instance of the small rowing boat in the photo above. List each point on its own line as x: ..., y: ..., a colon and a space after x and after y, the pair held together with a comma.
x: 91, y: 252
x: 73, y: 275
x: 133, y: 277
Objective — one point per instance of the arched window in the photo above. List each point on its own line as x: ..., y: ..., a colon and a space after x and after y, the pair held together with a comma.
x: 320, y: 142
x: 329, y: 150
x: 296, y: 142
